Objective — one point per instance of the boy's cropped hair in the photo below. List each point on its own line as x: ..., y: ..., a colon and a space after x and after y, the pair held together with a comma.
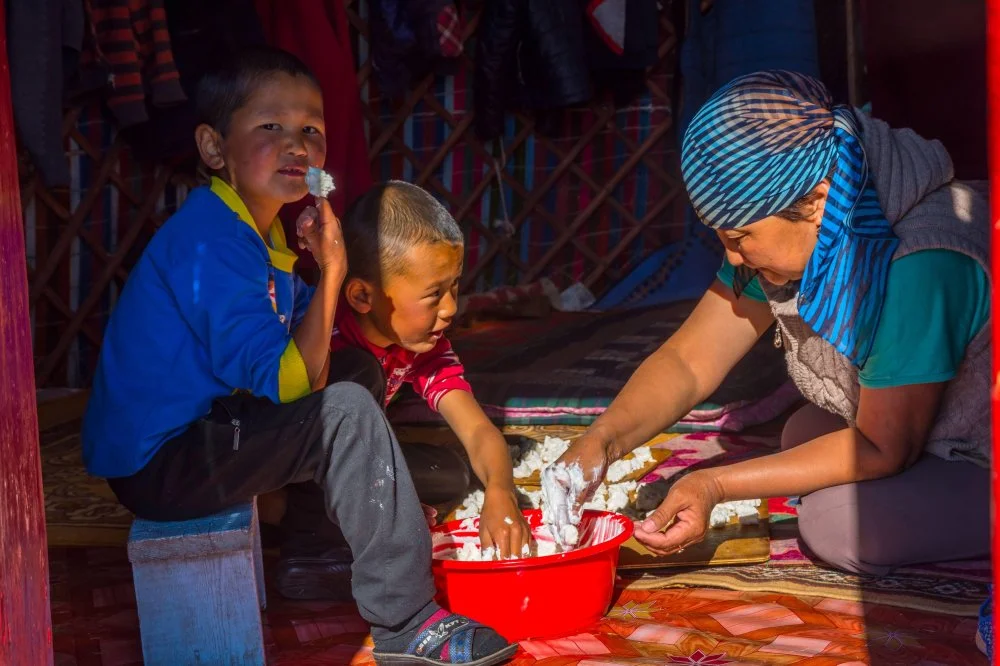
x: 228, y: 85
x: 389, y: 219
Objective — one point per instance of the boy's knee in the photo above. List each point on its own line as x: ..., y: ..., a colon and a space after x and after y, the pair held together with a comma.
x: 352, y: 398
x: 830, y: 526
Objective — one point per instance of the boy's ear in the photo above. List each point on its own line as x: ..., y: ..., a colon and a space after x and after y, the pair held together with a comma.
x: 360, y: 295
x: 209, y: 147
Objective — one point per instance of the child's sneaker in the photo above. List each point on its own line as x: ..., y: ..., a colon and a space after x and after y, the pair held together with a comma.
x: 445, y: 638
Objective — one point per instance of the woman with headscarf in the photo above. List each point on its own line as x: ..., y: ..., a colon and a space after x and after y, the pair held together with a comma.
x: 873, y: 260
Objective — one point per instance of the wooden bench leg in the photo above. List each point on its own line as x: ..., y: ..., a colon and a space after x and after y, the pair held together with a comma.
x: 199, y: 588
x: 200, y: 611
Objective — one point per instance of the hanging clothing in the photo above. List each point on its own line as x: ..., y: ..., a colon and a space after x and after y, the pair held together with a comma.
x: 622, y: 45
x: 44, y: 41
x: 317, y: 32
x: 133, y: 40
x: 530, y: 55
x: 201, y: 33
x: 411, y: 39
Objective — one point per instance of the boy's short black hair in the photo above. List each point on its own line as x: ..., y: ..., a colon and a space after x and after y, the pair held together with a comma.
x: 228, y: 85
x: 389, y: 219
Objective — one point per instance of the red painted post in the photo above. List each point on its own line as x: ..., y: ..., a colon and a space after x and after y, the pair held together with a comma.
x: 993, y: 100
x: 25, y: 614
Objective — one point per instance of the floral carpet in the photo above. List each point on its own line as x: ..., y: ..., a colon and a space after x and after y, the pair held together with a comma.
x: 95, y: 624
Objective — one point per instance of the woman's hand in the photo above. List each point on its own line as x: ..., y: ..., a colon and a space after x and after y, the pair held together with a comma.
x: 592, y: 456
x: 318, y: 231
x: 502, y: 525
x: 684, y: 514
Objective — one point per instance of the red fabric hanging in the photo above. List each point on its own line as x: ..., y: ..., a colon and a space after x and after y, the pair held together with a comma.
x: 317, y: 32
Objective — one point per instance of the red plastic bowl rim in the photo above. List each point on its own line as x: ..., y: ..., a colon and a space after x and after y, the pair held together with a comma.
x: 500, y: 565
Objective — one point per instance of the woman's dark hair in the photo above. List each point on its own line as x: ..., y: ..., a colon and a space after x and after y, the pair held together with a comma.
x: 801, y: 209
x: 226, y: 87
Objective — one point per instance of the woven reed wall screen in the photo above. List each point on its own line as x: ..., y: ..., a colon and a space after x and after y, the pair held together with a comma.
x: 584, y: 204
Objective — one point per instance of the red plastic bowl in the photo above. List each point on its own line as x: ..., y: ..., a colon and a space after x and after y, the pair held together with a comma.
x: 538, y: 597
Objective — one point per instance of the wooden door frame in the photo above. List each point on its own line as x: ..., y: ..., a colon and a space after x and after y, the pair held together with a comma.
x: 25, y: 611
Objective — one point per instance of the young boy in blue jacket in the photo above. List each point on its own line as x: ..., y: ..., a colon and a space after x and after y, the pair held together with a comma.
x: 212, y: 387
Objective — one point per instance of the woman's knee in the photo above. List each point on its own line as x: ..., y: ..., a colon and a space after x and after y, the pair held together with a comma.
x: 833, y: 531
x: 808, y: 423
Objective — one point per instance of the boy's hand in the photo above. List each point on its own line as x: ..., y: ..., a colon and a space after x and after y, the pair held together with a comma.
x: 318, y: 231
x: 430, y: 515
x: 502, y: 524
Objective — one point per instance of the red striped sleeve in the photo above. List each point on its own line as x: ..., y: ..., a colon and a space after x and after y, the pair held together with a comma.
x: 437, y: 373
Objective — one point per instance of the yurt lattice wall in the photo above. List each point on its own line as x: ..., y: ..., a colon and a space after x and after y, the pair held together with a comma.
x: 586, y: 204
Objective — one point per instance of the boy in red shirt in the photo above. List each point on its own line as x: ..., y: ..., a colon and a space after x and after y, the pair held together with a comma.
x: 405, y: 257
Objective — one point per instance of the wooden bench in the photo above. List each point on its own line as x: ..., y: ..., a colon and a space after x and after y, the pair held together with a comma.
x: 199, y: 588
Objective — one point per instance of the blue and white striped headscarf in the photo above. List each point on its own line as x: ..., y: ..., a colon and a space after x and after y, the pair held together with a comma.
x: 766, y: 140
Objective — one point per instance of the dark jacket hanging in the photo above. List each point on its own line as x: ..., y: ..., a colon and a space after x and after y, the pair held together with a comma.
x: 44, y: 41
x: 201, y: 33
x: 134, y: 42
x: 410, y: 39
x: 530, y: 55
x: 622, y: 41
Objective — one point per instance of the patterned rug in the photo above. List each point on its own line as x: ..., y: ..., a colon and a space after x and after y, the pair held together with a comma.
x: 80, y: 510
x: 955, y: 588
x: 95, y: 624
x: 567, y: 367
x: 916, y: 591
